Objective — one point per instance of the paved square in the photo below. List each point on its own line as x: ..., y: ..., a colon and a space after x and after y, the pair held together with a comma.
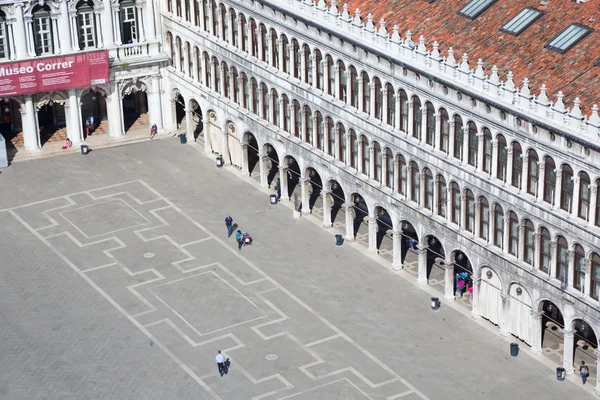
x: 126, y: 288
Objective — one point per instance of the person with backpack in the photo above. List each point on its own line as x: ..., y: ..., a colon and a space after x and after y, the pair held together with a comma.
x: 584, y: 371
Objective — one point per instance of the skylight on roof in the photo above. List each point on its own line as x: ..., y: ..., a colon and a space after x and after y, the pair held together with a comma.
x: 475, y: 7
x: 521, y: 21
x: 568, y: 38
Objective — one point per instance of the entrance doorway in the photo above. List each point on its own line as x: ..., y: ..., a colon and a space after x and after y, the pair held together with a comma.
x: 135, y: 111
x: 93, y: 109
x: 553, y: 326
x: 51, y: 123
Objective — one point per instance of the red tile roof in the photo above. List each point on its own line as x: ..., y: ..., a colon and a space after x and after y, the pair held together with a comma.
x: 572, y: 72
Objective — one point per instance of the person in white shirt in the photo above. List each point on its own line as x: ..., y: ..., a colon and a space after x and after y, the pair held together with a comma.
x: 220, y: 362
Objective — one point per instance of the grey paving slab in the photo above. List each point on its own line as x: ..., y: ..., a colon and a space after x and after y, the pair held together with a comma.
x: 299, y: 317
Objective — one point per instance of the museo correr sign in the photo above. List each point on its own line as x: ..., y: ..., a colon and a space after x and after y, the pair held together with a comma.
x: 54, y: 73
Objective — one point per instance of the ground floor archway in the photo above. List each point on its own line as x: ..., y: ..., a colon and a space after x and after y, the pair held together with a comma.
x: 135, y: 111
x: 553, y: 326
x: 94, y: 113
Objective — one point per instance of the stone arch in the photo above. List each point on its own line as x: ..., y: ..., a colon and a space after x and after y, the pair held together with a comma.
x: 490, y: 295
x: 234, y: 144
x: 213, y: 137
x: 519, y: 321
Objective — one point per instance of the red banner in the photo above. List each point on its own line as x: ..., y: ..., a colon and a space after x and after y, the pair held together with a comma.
x: 54, y: 73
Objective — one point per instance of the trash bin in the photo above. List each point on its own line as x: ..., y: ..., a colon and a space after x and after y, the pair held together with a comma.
x: 435, y: 303
x: 182, y: 138
x: 339, y: 240
x: 514, y: 349
x: 85, y: 149
x: 273, y: 199
x: 220, y: 161
x: 561, y: 374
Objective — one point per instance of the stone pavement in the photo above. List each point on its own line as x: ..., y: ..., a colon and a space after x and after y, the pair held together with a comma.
x: 119, y: 281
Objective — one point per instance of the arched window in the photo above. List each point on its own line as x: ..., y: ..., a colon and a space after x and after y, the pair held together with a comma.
x: 353, y: 149
x: 331, y: 75
x: 562, y: 262
x: 297, y: 67
x: 502, y: 158
x: 378, y: 99
x: 129, y: 23
x: 253, y: 40
x: 266, y: 104
x: 224, y: 22
x: 533, y: 172
x: 217, y: 77
x: 403, y: 97
x: 225, y: 72
x: 415, y: 182
x: 470, y: 207
x: 444, y: 130
x: 205, y: 24
x: 428, y: 181
x: 473, y: 144
x: 441, y: 196
x: 342, y: 90
x: 43, y: 34
x: 484, y: 217
x: 308, y: 124
x: 455, y: 199
x: 366, y: 155
x: 529, y: 242
x: 566, y: 197
x: 189, y: 51
x: 320, y: 83
x: 389, y: 162
x: 234, y: 26
x: 286, y: 55
x: 579, y: 271
x: 549, y: 180
x: 243, y: 45
x: 595, y: 289
x: 308, y: 61
x: 236, y: 87
x: 180, y: 55
x: 402, y: 175
x: 87, y: 25
x: 583, y: 208
x: 517, y: 165
x: 545, y: 250
x: 459, y: 137
x: 245, y: 95
x: 298, y: 119
x: 513, y: 233
x: 353, y: 87
x: 391, y: 105
x: 430, y: 122
x: 207, y: 72
x: 286, y: 120
x: 330, y: 137
x: 342, y: 143
x: 498, y: 226
x: 417, y: 117
x: 264, y: 43
x: 378, y: 162
x: 366, y: 95
x: 274, y: 49
x: 215, y: 15
x: 320, y: 131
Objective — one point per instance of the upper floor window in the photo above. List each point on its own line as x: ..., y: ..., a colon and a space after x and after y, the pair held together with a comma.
x: 430, y: 134
x: 42, y: 31
x: 566, y: 197
x: 459, y: 137
x: 517, y: 165
x: 502, y: 158
x: 584, y: 196
x: 417, y: 117
x: 128, y: 22
x: 473, y: 144
x: 444, y: 130
x: 87, y: 25
x: 549, y: 180
x: 4, y: 49
x: 487, y: 151
x: 470, y: 208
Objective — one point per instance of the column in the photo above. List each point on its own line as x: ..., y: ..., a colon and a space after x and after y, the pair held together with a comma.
x: 326, y: 209
x: 451, y: 138
x: 411, y: 118
x: 575, y: 203
x: 491, y: 225
x: 593, y: 201
x: 542, y: 178
x: 348, y: 208
x: 397, y: 246
x: 211, y: 23
x: 422, y: 137
x: 116, y: 20
x: 29, y: 36
x: 281, y: 55
x: 505, y: 232
x: 326, y: 132
x: 509, y: 166
x: 260, y: 47
x: 100, y: 35
x: 437, y: 139
x: 597, y: 389
x: 348, y: 149
x: 213, y: 74
x: 31, y: 136
x: 525, y: 176
x: 325, y: 82
x: 315, y: 131
x: 504, y: 314
x: 372, y: 234
x: 361, y: 94
x: 494, y: 169
x: 373, y: 97
x: 109, y: 30
x: 56, y: 32
x: 283, y: 181
x: 304, y: 195
x: 11, y: 39
x: 476, y: 228
x: 337, y: 93
x: 303, y: 56
x: 262, y: 163
x: 421, y: 189
x: 114, y: 106
x: 336, y: 145
x: 154, y: 104
x: 569, y: 347
x: 384, y: 106
x: 449, y: 208
x: 409, y: 184
x: 449, y: 279
x: 536, y: 343
x: 195, y: 74
x: 553, y: 267
x: 521, y: 248
x: 19, y: 32
x: 315, y: 70
x: 396, y: 182
x: 64, y: 31
x: 475, y: 300
x: 372, y: 162
x: 240, y: 29
x: 223, y: 83
x: 422, y: 266
x: 349, y: 88
x: 558, y: 189
x: 245, y: 166
x: 572, y: 266
x: 150, y: 18
x: 186, y: 60
x: 588, y: 277
x: 480, y: 151
x: 397, y: 121
x: 463, y: 210
x: 537, y: 255
x: 188, y: 124
x: 74, y: 124
x: 465, y: 146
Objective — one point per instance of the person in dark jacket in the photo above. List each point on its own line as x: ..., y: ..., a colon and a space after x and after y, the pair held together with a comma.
x: 238, y: 236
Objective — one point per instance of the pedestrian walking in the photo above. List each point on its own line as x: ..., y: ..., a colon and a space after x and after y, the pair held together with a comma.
x: 153, y: 131
x: 238, y: 236
x: 229, y: 225
x: 220, y: 360
x: 584, y: 371
x: 88, y: 132
x: 278, y: 189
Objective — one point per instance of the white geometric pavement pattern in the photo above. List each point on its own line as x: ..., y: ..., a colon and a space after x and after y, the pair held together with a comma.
x: 191, y: 294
